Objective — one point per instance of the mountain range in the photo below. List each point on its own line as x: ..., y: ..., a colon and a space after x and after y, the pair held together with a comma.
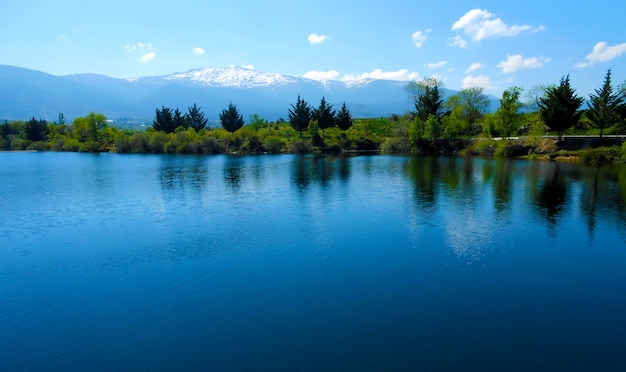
x: 28, y: 93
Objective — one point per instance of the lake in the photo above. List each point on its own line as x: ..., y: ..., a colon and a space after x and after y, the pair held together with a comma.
x: 286, y: 262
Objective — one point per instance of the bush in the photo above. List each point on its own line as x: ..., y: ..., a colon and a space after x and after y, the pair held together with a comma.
x: 90, y: 146
x: 601, y: 155
x: 274, y: 144
x: 71, y: 144
x: 300, y: 147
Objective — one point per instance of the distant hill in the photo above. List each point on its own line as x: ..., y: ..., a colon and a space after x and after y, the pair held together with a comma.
x: 26, y: 93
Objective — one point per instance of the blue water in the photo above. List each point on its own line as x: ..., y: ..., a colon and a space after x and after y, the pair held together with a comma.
x: 126, y: 262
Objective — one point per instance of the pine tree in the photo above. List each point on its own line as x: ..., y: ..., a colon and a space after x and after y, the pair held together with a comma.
x: 344, y: 118
x: 230, y: 118
x: 559, y: 106
x: 605, y: 105
x: 325, y: 116
x: 300, y: 115
x: 195, y: 118
x: 164, y: 120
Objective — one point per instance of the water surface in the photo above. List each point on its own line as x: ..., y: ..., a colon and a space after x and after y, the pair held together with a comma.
x: 305, y: 262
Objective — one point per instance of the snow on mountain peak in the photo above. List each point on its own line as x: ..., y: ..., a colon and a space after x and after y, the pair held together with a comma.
x: 232, y: 76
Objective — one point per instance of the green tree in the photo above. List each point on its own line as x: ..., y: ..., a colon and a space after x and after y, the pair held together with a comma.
x: 195, y: 118
x: 474, y: 104
x: 179, y: 120
x: 85, y: 128
x: 164, y: 121
x: 300, y: 115
x: 36, y: 130
x: 344, y: 118
x: 230, y: 118
x: 507, y: 117
x: 256, y: 122
x: 559, y: 106
x: 605, y: 105
x: 325, y: 116
x: 426, y: 97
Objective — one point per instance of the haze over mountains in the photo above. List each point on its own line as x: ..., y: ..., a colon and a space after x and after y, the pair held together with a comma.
x: 26, y: 93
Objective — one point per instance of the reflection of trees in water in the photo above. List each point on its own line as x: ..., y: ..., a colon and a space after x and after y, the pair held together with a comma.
x: 233, y: 173
x: 602, y: 191
x: 502, y: 183
x: 548, y: 190
x: 424, y: 172
x: 319, y: 169
x: 180, y: 174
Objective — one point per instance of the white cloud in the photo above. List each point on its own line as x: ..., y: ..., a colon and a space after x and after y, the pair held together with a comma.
x: 458, y: 41
x: 142, y: 47
x: 480, y: 24
x: 480, y: 81
x: 436, y: 64
x: 317, y: 39
x: 602, y: 53
x: 321, y: 75
x: 197, y: 51
x: 148, y: 57
x: 400, y: 75
x: 249, y: 67
x: 517, y: 62
x: 473, y: 67
x: 419, y: 37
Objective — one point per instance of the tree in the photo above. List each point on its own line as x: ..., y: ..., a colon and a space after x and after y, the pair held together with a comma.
x: 164, y: 121
x: 344, y: 118
x: 36, y: 130
x: 427, y: 98
x: 605, y: 105
x: 179, y: 120
x: 300, y: 115
x: 507, y: 117
x: 230, y: 118
x: 85, y: 129
x: 325, y: 116
x: 195, y: 118
x: 256, y: 122
x: 559, y: 106
x: 474, y: 103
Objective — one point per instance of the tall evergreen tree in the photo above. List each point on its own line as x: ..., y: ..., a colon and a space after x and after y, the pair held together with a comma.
x: 344, y: 118
x: 195, y: 118
x: 36, y: 130
x: 604, y: 106
x: 325, y: 116
x: 426, y: 98
x: 230, y: 118
x: 164, y: 121
x: 559, y: 106
x: 300, y: 115
x: 179, y: 120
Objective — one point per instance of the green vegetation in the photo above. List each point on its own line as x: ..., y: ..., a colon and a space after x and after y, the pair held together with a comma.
x: 457, y: 124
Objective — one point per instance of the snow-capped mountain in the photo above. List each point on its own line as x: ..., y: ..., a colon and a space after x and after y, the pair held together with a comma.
x: 234, y: 77
x: 242, y: 77
x: 26, y: 93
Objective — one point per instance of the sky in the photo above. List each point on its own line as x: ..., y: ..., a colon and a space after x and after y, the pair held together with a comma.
x: 490, y: 44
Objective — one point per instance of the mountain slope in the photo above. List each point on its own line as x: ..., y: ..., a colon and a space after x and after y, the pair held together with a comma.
x: 26, y: 93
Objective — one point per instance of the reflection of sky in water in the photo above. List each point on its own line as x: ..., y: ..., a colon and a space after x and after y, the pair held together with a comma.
x: 208, y: 259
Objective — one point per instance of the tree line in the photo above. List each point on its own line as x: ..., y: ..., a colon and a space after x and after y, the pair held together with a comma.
x: 435, y: 124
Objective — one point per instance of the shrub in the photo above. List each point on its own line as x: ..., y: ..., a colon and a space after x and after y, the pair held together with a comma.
x: 600, y: 155
x: 273, y: 144
x: 300, y: 147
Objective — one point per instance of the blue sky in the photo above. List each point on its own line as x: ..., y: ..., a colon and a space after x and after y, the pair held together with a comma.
x: 492, y: 44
